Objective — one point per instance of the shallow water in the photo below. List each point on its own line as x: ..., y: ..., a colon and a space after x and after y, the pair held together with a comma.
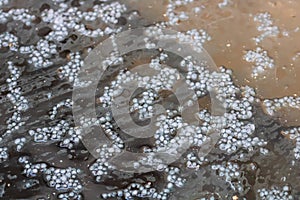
x: 231, y: 29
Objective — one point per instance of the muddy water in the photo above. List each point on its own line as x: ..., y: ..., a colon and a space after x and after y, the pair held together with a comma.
x: 232, y: 29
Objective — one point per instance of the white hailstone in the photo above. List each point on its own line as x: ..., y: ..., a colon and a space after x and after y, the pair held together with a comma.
x: 20, y: 142
x: 145, y: 190
x: 167, y: 126
x: 65, y: 19
x: 15, y: 95
x: 149, y: 44
x: 162, y: 80
x: 72, y: 138
x: 265, y: 26
x: 60, y: 179
x: 224, y: 3
x: 63, y: 179
x: 113, y: 59
x: 109, y: 13
x: 144, y: 104
x: 21, y: 15
x: 14, y: 123
x: 100, y: 167
x: 70, y: 70
x: 156, y: 62
x: 193, y: 162
x: 54, y: 133
x: 197, y: 9
x: 163, y: 57
x: 41, y: 56
x: 202, y: 81
x: 9, y: 40
x: 26, y: 49
x: 297, y: 149
x: 3, y: 17
x: 242, y: 107
x: 194, y: 37
x: 67, y: 103
x: 16, y: 98
x: 32, y: 170
x: 70, y: 195
x: 235, y: 132
x: 3, y: 2
x: 173, y: 17
x: 271, y: 106
x: 264, y: 151
x: 17, y: 15
x: 106, y: 124
x: 173, y: 176
x: 58, y: 1
x: 3, y: 154
x: 260, y: 59
x: 230, y: 171
x: 294, y: 135
x: 275, y: 193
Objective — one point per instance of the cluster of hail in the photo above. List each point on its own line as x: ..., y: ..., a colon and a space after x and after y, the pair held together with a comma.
x: 275, y: 193
x: 64, y: 20
x: 258, y: 56
x: 17, y: 15
x: 230, y: 171
x: 67, y: 19
x: 63, y: 132
x: 271, y: 106
x: 237, y: 132
x: 41, y: 55
x: 236, y: 129
x: 294, y: 135
x: 71, y: 69
x: 20, y: 104
x: 146, y: 190
x: 195, y: 162
x: 260, y: 59
x: 61, y: 179
x: 266, y: 27
x: 10, y: 41
x: 171, y: 13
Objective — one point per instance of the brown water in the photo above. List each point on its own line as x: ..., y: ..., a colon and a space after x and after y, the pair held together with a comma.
x: 232, y: 29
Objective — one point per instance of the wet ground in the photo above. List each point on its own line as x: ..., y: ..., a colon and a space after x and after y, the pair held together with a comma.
x: 232, y: 30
